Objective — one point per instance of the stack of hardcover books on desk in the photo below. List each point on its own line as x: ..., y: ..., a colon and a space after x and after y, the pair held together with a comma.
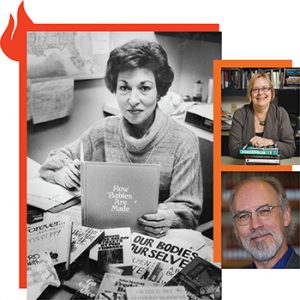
x: 260, y: 156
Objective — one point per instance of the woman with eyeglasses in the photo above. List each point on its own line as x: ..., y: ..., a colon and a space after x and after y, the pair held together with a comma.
x: 261, y: 123
x: 138, y: 73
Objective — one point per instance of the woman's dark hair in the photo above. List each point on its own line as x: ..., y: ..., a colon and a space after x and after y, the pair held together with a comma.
x: 140, y: 54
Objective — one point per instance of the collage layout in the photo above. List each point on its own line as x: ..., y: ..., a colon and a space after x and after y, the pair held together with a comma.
x: 260, y: 129
x: 150, y: 163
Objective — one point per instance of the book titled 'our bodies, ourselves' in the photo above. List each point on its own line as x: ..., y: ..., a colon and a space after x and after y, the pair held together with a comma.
x: 117, y: 194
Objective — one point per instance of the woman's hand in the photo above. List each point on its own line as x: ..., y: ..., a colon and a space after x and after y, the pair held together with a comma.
x: 69, y: 176
x: 157, y: 224
x: 260, y: 142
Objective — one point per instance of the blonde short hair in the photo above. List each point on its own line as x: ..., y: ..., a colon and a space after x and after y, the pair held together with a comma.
x: 252, y: 81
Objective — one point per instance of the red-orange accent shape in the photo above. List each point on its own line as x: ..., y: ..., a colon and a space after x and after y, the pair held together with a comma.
x: 12, y: 40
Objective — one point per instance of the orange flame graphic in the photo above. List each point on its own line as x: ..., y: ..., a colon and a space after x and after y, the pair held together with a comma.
x: 12, y: 42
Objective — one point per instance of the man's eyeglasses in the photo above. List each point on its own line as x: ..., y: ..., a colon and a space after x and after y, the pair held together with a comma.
x: 262, y: 212
x: 263, y: 89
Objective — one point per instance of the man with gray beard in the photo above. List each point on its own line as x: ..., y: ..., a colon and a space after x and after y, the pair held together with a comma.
x: 261, y: 219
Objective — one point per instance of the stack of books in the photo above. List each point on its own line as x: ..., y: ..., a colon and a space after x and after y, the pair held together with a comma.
x: 292, y: 78
x: 260, y: 156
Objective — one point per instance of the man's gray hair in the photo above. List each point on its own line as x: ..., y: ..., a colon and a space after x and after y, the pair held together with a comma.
x: 272, y: 181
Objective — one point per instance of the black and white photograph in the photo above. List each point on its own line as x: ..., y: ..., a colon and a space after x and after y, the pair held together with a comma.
x: 120, y: 134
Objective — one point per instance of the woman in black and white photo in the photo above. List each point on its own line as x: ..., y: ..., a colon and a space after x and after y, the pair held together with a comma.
x: 138, y: 73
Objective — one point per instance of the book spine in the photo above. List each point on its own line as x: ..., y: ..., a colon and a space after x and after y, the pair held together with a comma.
x: 257, y: 156
x: 253, y: 161
x: 259, y: 152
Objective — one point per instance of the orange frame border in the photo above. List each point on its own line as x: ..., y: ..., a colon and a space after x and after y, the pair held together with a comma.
x: 218, y: 166
x: 10, y: 44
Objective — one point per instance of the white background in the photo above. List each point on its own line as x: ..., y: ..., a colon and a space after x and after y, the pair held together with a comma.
x: 250, y: 30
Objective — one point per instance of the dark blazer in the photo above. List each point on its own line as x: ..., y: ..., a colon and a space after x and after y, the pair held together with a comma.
x: 278, y: 128
x: 293, y: 262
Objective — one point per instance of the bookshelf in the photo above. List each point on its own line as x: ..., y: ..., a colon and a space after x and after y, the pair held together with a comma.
x: 286, y: 81
x: 233, y: 256
x: 291, y: 78
x: 237, y: 79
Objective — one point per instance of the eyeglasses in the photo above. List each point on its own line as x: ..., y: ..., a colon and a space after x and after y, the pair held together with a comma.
x: 263, y: 213
x: 263, y: 89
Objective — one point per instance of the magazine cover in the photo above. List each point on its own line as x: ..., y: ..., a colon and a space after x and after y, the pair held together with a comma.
x: 85, y: 282
x: 53, y: 236
x: 114, y: 286
x: 40, y: 274
x: 114, y: 251
x: 83, y: 239
x: 156, y: 293
x: 200, y: 278
x: 157, y: 260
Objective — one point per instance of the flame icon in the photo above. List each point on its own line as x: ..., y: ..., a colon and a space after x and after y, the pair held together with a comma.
x: 12, y: 41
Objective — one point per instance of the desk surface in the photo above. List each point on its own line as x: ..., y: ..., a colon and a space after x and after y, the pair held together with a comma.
x: 227, y: 160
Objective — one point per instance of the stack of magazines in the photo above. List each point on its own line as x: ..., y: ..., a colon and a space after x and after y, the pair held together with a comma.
x: 260, y: 156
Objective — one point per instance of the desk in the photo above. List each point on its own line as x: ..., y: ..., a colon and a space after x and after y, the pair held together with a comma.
x: 191, y: 239
x: 227, y: 160
x: 203, y: 134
